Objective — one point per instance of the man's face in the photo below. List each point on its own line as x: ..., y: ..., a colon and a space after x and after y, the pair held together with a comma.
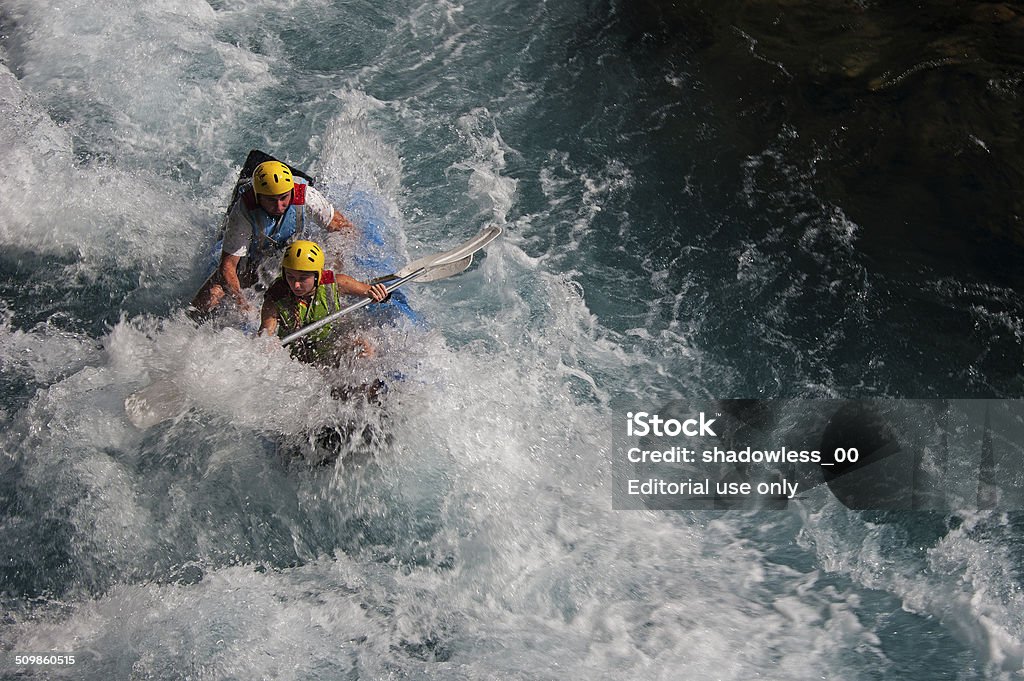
x: 276, y: 204
x: 300, y: 283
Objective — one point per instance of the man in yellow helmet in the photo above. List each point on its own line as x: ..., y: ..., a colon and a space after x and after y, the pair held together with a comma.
x: 306, y: 292
x: 266, y: 215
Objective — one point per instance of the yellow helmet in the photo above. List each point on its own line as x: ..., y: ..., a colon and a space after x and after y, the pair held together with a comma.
x: 272, y: 178
x: 304, y: 256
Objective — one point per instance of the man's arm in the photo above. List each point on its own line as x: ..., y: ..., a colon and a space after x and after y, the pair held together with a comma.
x: 353, y: 287
x: 229, y: 273
x: 326, y: 215
x: 237, y: 234
x: 339, y: 222
x: 268, y: 317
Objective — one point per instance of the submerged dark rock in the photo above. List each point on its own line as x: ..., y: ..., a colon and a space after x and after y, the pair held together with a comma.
x: 907, y: 118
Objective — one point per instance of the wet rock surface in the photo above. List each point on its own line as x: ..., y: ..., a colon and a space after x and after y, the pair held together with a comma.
x: 907, y: 118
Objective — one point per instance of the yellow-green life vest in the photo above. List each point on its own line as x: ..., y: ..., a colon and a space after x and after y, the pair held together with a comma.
x: 295, y: 314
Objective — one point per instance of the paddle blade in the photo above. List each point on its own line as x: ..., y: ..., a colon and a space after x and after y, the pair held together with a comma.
x: 156, y: 402
x: 436, y: 272
x: 457, y: 254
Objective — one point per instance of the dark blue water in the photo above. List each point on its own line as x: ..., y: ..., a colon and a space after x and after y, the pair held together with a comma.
x: 673, y: 229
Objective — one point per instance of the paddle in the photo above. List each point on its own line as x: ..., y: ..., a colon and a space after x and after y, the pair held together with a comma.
x: 158, y: 401
x: 162, y: 399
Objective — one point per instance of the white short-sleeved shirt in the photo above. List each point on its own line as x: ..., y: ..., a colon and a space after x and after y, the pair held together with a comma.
x: 238, y: 229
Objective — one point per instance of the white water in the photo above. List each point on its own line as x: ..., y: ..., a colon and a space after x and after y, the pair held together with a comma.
x: 480, y: 541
